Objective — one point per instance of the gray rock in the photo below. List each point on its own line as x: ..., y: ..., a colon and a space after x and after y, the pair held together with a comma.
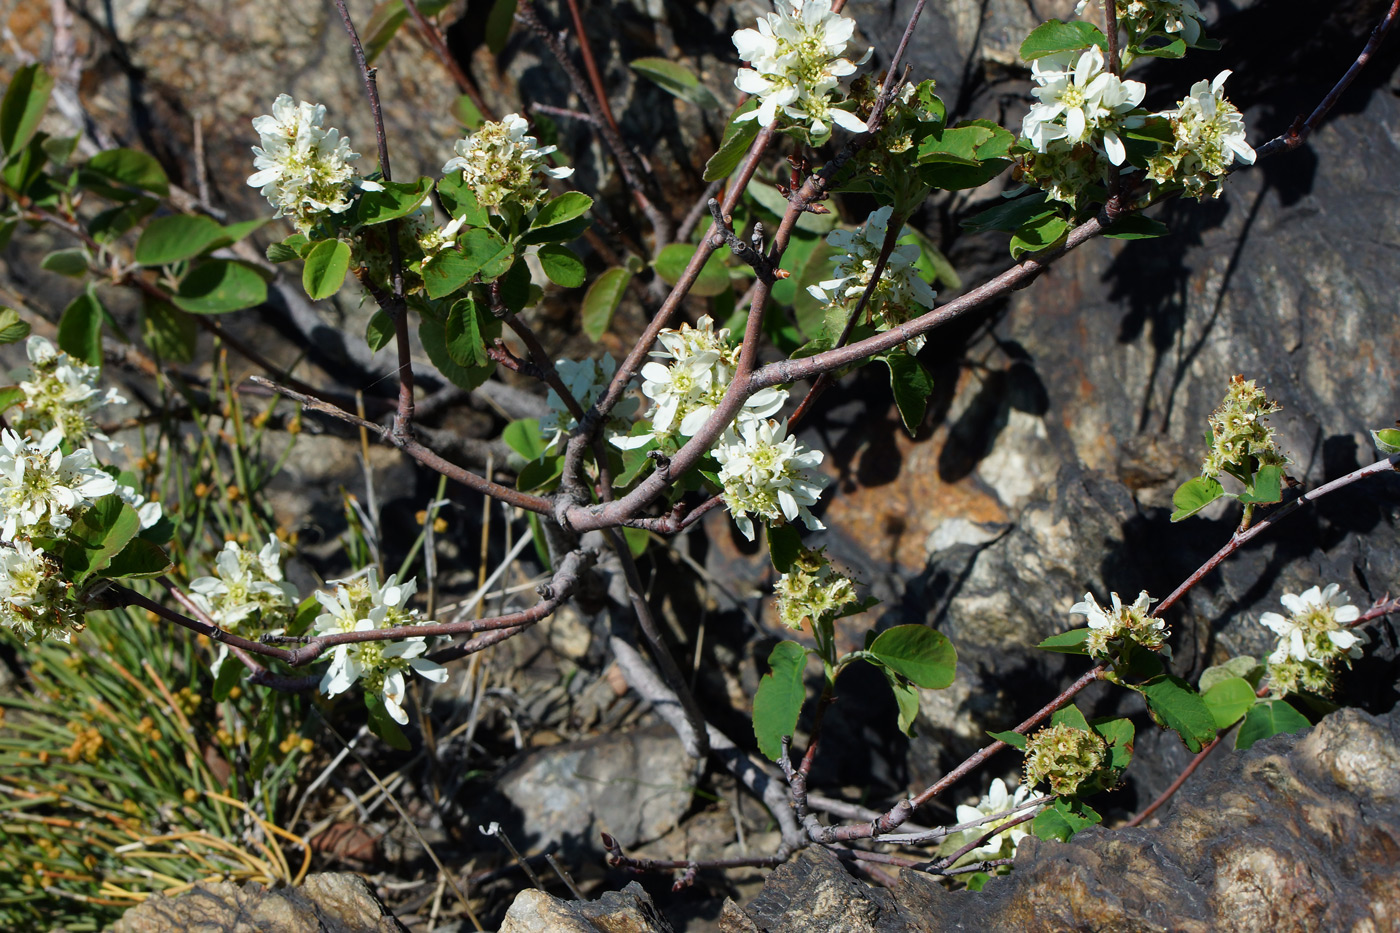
x: 327, y: 903
x: 627, y: 911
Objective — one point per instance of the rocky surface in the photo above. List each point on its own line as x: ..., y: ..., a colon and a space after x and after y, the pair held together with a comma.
x: 328, y: 903
x: 1297, y: 834
x: 627, y: 911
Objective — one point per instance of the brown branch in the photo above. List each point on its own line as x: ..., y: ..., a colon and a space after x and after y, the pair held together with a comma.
x: 590, y: 65
x: 1175, y: 785
x: 433, y: 37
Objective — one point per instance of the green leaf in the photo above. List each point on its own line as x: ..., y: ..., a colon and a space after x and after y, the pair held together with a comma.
x: 459, y: 200
x: 738, y: 137
x: 282, y: 252
x: 379, y: 331
x: 1039, y: 234
x: 498, y: 23
x: 130, y: 167
x: 1070, y: 716
x: 601, y: 300
x: 465, y: 112
x: 487, y: 254
x: 381, y: 26
x: 1267, y: 486
x: 464, y: 341
x: 1269, y: 719
x: 398, y: 199
x: 433, y: 335
x: 1055, y: 36
x: 906, y: 698
x: 307, y: 611
x: 23, y: 107
x: 524, y: 437
x: 965, y: 156
x: 99, y: 534
x: 1176, y: 48
x: 168, y: 332
x: 1176, y: 705
x: 676, y: 79
x: 562, y: 265
x: 217, y: 286
x: 1136, y: 227
x: 919, y: 653
x: 912, y: 386
x: 140, y: 559
x: 1195, y: 494
x: 561, y: 210
x: 110, y: 224
x: 383, y: 725
x: 12, y: 329
x: 1243, y: 667
x: 176, y: 237
x: 1228, y: 700
x: 1387, y: 440
x: 1071, y: 642
x: 784, y: 547
x: 778, y: 701
x: 956, y: 145
x: 637, y: 538
x: 712, y: 280
x: 1119, y: 734
x: 446, y: 272
x: 541, y: 473
x: 7, y: 230
x: 1014, y: 739
x: 80, y: 328
x: 230, y: 673
x: 1063, y: 818
x: 326, y: 267
x: 70, y: 262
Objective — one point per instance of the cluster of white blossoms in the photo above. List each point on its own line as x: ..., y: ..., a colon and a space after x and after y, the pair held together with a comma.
x: 686, y: 389
x: 244, y: 583
x: 796, y: 63
x: 812, y: 591
x: 1120, y: 623
x: 42, y: 489
x: 1079, y: 102
x: 363, y: 605
x: 1141, y: 18
x: 59, y: 392
x: 901, y: 292
x: 304, y: 170
x: 499, y: 161
x: 1208, y: 137
x: 1314, y: 636
x: 34, y: 599
x: 998, y: 799
x: 1241, y: 439
x: 766, y: 473
x: 586, y: 381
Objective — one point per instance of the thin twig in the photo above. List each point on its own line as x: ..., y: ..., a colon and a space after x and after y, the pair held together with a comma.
x: 1175, y: 785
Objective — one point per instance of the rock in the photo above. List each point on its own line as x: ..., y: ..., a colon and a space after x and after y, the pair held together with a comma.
x: 1296, y: 834
x: 627, y: 911
x: 635, y: 786
x: 327, y: 903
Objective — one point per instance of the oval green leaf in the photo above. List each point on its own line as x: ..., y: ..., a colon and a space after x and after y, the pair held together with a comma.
x: 676, y: 79
x: 562, y: 265
x: 562, y: 209
x: 714, y: 276
x: 398, y: 199
x: 1195, y: 494
x: 23, y: 106
x: 326, y: 267
x: 463, y: 329
x: 130, y: 167
x: 601, y: 301
x: 1269, y: 719
x: 917, y: 652
x: 217, y: 286
x: 778, y: 701
x: 12, y: 329
x: 80, y: 328
x: 1176, y: 705
x: 1228, y: 700
x: 1055, y: 36
x: 70, y: 262
x: 179, y: 236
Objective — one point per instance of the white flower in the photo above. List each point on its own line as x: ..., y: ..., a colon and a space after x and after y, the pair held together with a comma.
x: 586, y: 381
x: 901, y: 293
x: 1087, y: 99
x: 1141, y: 17
x: 147, y: 512
x: 431, y: 239
x: 1121, y: 622
x: 687, y: 390
x: 498, y: 162
x: 998, y: 799
x: 34, y: 600
x: 245, y: 583
x: 769, y: 474
x: 304, y: 171
x: 1314, y: 629
x: 41, y: 490
x: 59, y: 392
x: 1209, y: 137
x: 795, y: 54
x: 363, y: 605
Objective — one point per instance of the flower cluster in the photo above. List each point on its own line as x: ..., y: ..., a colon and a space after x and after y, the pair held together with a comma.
x: 1080, y: 104
x: 795, y: 58
x: 42, y: 489
x: 586, y: 381
x: 1241, y: 441
x: 34, y: 599
x: 246, y: 583
x: 901, y: 293
x: 1120, y: 624
x: 1208, y: 136
x: 1064, y: 757
x: 59, y: 392
x: 1312, y: 639
x: 304, y: 170
x: 686, y: 390
x: 499, y: 161
x: 769, y: 474
x: 812, y: 591
x: 1141, y: 18
x: 363, y: 605
x: 998, y: 799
